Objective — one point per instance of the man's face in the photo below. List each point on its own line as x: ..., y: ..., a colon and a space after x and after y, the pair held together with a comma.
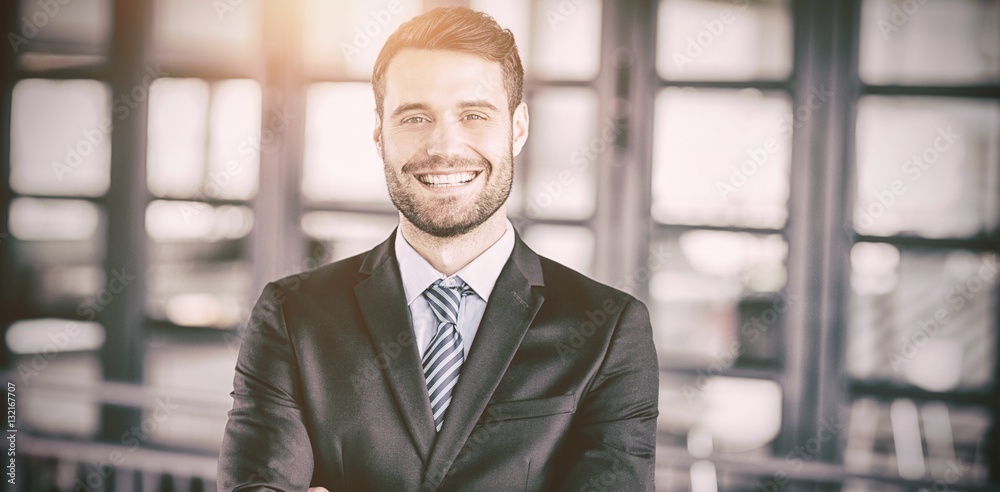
x: 447, y: 139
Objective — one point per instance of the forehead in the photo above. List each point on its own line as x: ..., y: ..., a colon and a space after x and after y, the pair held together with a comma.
x: 437, y: 77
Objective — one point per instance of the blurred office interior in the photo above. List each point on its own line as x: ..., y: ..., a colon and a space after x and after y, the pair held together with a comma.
x: 805, y: 193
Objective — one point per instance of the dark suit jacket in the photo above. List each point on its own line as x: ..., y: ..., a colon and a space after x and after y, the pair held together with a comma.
x: 559, y: 390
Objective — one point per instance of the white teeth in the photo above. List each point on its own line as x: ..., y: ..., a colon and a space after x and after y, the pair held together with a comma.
x: 454, y: 179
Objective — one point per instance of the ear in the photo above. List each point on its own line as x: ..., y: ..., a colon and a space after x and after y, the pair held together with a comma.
x: 519, y: 127
x: 377, y: 133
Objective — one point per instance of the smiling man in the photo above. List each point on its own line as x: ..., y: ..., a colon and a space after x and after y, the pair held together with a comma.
x: 451, y: 356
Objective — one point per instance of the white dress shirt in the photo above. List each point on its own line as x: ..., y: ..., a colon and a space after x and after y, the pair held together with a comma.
x: 480, y: 274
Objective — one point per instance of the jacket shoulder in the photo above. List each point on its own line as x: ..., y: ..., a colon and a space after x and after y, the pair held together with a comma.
x: 323, y: 279
x: 562, y: 282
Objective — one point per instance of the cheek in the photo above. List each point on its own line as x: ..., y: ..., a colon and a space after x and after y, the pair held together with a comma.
x: 493, y: 143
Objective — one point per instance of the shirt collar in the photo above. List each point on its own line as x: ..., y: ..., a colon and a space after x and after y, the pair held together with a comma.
x: 481, y: 273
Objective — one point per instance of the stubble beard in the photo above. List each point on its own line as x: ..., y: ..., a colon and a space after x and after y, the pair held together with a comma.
x: 447, y: 217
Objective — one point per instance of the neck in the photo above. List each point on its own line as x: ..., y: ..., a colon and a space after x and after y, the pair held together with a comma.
x: 449, y: 254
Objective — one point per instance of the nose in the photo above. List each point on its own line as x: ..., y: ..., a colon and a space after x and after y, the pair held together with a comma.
x: 444, y: 140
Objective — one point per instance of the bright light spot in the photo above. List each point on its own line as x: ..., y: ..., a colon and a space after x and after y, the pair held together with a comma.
x: 936, y: 366
x: 52, y: 335
x: 742, y: 414
x: 874, y: 268
x: 196, y: 221
x: 203, y: 309
x: 33, y: 219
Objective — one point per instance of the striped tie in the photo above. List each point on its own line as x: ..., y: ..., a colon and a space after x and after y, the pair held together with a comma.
x: 443, y: 358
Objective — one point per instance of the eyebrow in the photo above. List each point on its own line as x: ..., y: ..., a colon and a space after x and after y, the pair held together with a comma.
x: 478, y: 103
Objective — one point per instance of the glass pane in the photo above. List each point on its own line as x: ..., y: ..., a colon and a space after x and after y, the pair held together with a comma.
x: 917, y: 440
x: 697, y: 413
x: 724, y: 40
x: 927, y: 166
x: 514, y: 15
x: 187, y: 119
x: 33, y: 219
x: 62, y: 27
x: 571, y: 246
x: 59, y: 396
x: 60, y: 142
x: 178, y: 125
x: 923, y: 318
x: 58, y: 246
x: 930, y: 41
x: 234, y: 139
x: 717, y: 298
x: 199, y: 369
x: 339, y: 235
x: 721, y: 157
x: 343, y: 37
x: 562, y: 178
x: 199, y: 276
x: 567, y: 40
x: 51, y: 335
x: 186, y: 29
x: 341, y: 161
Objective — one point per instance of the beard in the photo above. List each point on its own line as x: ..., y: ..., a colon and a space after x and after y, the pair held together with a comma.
x: 450, y: 216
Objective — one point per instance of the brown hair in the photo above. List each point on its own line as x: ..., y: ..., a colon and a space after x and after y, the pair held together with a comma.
x: 454, y: 29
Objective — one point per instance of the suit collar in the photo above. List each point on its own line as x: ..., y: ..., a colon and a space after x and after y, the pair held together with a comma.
x: 516, y: 298
x: 527, y: 261
x: 383, y: 307
x: 480, y: 274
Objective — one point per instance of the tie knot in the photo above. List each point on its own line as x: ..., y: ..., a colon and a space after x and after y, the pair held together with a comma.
x: 445, y: 301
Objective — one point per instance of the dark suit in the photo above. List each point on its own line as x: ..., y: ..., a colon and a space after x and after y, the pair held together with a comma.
x: 558, y: 392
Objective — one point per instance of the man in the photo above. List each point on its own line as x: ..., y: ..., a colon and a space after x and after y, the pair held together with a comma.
x: 451, y: 356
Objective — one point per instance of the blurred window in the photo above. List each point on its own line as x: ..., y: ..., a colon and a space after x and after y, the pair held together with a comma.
x: 930, y: 42
x: 719, y: 189
x: 724, y: 40
x: 60, y: 137
x: 721, y: 158
x: 921, y: 335
x: 341, y: 162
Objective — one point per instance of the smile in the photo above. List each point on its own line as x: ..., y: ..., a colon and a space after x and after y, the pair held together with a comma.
x: 447, y: 180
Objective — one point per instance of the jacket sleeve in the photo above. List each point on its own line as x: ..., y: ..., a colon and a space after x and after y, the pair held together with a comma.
x: 266, y: 446
x: 612, y: 440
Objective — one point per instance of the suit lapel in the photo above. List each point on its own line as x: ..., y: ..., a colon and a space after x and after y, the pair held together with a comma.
x: 511, y: 308
x: 383, y: 306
